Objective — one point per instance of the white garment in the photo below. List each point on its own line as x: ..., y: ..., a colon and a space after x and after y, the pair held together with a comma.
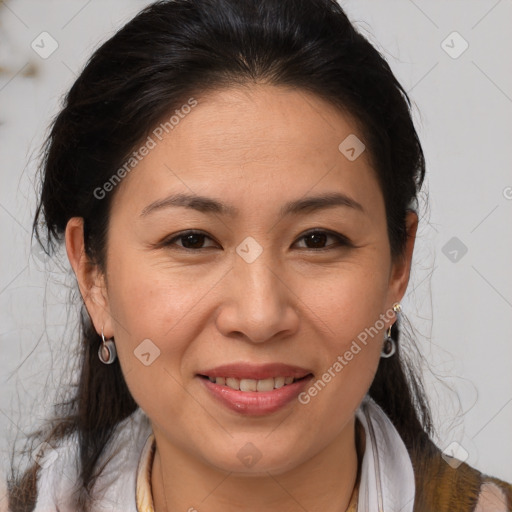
x: 387, y: 478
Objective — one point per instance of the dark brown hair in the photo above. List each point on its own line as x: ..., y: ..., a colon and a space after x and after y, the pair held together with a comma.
x: 171, y: 51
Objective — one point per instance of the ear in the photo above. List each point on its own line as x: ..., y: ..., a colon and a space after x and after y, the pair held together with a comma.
x: 91, y: 280
x: 401, y: 268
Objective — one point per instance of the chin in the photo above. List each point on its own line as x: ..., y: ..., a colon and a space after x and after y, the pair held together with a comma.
x: 255, y: 459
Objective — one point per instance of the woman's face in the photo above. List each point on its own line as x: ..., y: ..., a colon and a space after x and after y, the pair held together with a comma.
x: 251, y: 289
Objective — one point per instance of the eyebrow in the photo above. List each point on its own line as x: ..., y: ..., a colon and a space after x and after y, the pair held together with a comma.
x: 209, y: 205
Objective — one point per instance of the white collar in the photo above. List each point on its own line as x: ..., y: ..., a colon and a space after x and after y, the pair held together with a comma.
x: 386, y: 484
x: 387, y: 476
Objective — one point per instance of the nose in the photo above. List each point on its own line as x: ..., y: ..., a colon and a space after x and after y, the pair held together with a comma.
x: 258, y: 302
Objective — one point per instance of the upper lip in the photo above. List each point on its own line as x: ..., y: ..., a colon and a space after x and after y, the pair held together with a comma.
x: 256, y: 371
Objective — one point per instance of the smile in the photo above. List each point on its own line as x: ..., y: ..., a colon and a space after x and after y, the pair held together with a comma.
x: 254, y: 385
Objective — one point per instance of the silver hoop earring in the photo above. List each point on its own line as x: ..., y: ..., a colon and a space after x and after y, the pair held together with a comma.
x: 389, y: 346
x: 107, y: 351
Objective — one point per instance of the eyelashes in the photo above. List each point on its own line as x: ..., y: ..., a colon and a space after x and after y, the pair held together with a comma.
x: 193, y: 240
x: 313, y: 235
x: 192, y: 236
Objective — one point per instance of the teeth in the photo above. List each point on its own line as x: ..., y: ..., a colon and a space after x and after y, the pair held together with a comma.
x: 279, y: 382
x: 265, y: 384
x: 232, y: 382
x: 248, y: 384
x: 252, y: 384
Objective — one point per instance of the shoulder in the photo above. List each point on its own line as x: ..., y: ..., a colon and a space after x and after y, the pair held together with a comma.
x: 494, y: 495
x: 58, y: 478
x: 447, y: 484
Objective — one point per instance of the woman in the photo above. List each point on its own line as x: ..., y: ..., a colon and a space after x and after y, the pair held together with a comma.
x: 235, y: 186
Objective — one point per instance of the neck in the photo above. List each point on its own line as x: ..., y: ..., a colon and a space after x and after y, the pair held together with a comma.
x: 324, y: 482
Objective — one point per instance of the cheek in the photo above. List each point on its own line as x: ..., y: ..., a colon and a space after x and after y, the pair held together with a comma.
x: 150, y: 300
x: 350, y: 312
x: 154, y: 320
x: 349, y: 300
x: 154, y: 323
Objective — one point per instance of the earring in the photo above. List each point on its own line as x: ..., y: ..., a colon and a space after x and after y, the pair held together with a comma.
x: 389, y: 347
x: 107, y: 351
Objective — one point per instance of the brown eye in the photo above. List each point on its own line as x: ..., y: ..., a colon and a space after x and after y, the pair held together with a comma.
x: 190, y: 240
x: 317, y: 240
x: 314, y: 240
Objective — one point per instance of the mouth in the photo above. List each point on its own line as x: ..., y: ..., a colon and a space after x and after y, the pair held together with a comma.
x: 254, y: 389
x: 254, y: 385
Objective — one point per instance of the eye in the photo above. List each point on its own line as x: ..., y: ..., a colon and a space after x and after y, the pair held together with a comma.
x: 194, y: 240
x: 319, y: 237
x: 191, y: 240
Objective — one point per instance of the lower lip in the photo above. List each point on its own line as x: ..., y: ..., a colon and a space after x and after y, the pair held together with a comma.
x: 256, y: 402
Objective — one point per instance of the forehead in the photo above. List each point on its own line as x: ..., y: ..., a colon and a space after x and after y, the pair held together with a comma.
x: 254, y: 141
x: 259, y: 123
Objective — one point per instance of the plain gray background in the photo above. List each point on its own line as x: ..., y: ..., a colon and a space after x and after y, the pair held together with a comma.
x: 460, y: 296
